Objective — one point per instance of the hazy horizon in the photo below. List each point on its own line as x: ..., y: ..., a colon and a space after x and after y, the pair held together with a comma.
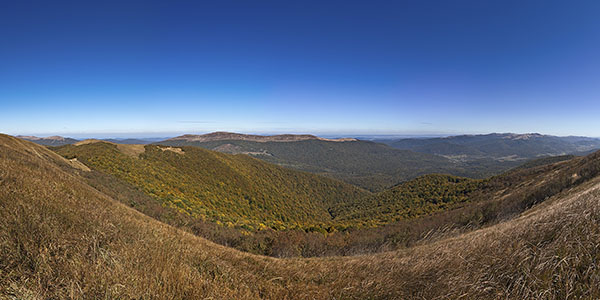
x: 365, y: 136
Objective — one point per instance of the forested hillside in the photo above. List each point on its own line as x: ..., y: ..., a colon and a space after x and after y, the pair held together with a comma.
x: 370, y: 165
x: 235, y: 190
x: 421, y: 196
x: 498, y: 145
x: 254, y: 206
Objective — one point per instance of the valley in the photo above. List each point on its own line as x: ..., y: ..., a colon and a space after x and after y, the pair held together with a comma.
x: 382, y: 163
x: 258, y: 207
x: 369, y: 165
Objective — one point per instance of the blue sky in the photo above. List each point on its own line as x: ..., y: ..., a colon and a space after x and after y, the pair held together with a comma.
x: 139, y: 68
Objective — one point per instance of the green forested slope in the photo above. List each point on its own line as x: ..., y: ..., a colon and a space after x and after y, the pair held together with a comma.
x: 421, y: 196
x: 232, y: 189
x: 372, y: 166
x: 240, y: 191
x: 497, y: 145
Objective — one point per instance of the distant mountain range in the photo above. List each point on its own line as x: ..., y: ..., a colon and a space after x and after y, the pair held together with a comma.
x: 370, y: 165
x: 376, y: 165
x: 223, y: 136
x: 504, y: 146
x: 60, y: 141
x: 49, y: 141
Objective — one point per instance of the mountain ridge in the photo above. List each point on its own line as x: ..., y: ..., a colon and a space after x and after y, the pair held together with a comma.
x: 497, y: 145
x: 367, y: 164
x: 223, y: 135
x: 48, y: 141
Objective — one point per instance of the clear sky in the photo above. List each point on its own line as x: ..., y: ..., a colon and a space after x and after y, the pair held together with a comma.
x: 347, y: 67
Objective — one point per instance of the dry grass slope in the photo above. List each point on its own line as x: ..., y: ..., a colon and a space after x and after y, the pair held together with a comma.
x: 62, y: 239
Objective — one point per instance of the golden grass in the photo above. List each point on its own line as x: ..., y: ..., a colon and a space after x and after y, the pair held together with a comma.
x: 78, y: 165
x: 62, y: 239
x: 88, y: 141
x: 131, y: 150
x: 172, y: 149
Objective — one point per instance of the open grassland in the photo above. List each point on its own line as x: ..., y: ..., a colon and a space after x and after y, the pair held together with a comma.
x: 60, y: 238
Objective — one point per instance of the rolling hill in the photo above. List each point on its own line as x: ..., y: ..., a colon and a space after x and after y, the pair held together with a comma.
x: 240, y: 191
x: 374, y: 166
x: 60, y: 141
x: 236, y: 190
x: 49, y: 141
x: 418, y: 197
x: 370, y: 165
x: 507, y: 146
x: 61, y: 238
x: 193, y: 188
x: 228, y: 136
